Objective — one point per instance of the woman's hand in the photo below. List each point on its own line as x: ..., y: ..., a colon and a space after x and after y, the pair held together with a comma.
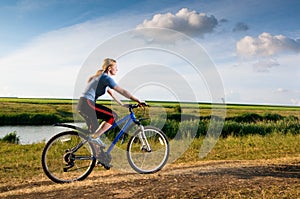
x: 142, y: 104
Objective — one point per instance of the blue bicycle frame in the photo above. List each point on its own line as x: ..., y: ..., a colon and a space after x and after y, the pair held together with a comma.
x: 130, y: 120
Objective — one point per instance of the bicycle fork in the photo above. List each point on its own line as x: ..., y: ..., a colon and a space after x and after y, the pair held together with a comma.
x: 145, y: 144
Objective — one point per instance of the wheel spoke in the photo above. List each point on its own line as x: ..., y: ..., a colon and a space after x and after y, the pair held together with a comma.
x: 61, y: 164
x: 144, y: 161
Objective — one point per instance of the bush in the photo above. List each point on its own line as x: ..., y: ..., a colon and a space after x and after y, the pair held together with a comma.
x: 291, y: 118
x: 177, y: 109
x: 11, y: 138
x: 231, y: 128
x: 245, y: 124
x: 272, y: 117
x: 247, y: 118
x: 181, y: 117
x: 29, y: 119
x: 171, y: 128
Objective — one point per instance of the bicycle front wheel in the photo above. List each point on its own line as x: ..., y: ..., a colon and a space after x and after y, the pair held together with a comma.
x: 68, y: 157
x: 146, y: 160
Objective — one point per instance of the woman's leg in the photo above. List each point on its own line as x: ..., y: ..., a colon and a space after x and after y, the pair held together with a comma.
x: 88, y: 113
x: 105, y: 114
x: 104, y: 126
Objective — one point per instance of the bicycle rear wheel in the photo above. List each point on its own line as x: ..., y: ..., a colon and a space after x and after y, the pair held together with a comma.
x: 140, y: 158
x: 68, y: 157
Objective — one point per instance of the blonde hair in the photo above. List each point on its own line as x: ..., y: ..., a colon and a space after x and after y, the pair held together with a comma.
x: 105, y: 66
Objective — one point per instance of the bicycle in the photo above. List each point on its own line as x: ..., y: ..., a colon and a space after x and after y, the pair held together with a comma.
x: 71, y: 156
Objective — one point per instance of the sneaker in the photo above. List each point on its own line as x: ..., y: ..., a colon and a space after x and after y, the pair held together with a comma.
x: 98, y: 141
x: 107, y: 166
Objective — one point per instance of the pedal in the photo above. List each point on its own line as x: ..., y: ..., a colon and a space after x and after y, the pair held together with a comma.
x: 106, y: 166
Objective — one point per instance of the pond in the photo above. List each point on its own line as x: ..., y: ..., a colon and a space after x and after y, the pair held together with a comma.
x: 33, y: 134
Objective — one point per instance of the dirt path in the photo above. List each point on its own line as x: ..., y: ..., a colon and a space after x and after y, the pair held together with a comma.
x: 214, y: 179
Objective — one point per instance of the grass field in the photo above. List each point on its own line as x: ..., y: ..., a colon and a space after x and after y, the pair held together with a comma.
x: 25, y: 110
x: 20, y: 162
x: 266, y: 134
x: 239, y: 119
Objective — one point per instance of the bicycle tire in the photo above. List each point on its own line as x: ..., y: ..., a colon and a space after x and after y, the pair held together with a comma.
x: 146, y: 162
x: 57, y: 160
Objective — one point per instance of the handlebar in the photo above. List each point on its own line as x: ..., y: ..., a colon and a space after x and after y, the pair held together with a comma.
x: 133, y: 106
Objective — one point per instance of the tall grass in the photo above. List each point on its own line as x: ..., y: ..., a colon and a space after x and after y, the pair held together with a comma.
x: 34, y: 113
x: 21, y: 162
x: 180, y: 125
x: 11, y: 138
x: 249, y: 147
x: 240, y: 119
x: 30, y: 119
x: 245, y: 124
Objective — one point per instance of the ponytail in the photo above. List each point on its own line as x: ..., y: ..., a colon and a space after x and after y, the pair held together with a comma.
x: 105, y: 66
x: 98, y: 73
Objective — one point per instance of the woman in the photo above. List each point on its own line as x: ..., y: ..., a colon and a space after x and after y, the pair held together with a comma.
x: 98, y: 84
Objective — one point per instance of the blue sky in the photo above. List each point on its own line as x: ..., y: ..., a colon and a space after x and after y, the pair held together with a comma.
x: 255, y: 45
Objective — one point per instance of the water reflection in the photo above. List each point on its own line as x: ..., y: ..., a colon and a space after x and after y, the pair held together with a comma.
x: 33, y: 134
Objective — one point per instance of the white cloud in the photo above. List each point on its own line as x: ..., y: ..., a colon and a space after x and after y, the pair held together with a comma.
x: 266, y: 49
x: 281, y: 90
x: 266, y: 45
x: 189, y: 22
x: 295, y: 101
x: 265, y: 65
x: 244, y: 85
x: 48, y: 65
x: 290, y: 96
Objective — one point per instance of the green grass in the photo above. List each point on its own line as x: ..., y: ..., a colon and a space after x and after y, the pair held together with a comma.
x: 16, y: 111
x: 251, y: 132
x: 37, y: 100
x: 62, y: 109
x: 11, y: 138
x: 240, y: 119
x: 250, y: 147
x: 21, y: 162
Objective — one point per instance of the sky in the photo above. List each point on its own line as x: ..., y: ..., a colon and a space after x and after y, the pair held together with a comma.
x: 47, y: 47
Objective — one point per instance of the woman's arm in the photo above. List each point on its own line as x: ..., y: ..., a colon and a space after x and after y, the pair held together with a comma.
x: 111, y: 93
x: 126, y: 94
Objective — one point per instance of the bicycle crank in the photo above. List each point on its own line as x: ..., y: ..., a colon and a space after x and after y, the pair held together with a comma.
x: 68, y: 159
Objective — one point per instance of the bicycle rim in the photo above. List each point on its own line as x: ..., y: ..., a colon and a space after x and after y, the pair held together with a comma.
x: 144, y: 161
x: 62, y: 165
